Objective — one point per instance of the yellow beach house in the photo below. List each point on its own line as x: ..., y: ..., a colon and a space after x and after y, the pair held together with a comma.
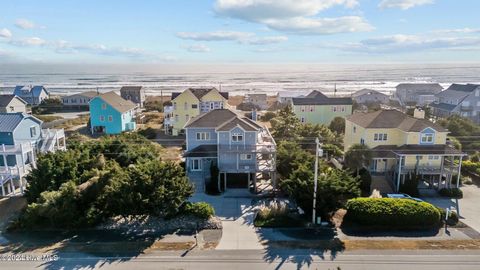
x: 402, y: 145
x: 190, y: 103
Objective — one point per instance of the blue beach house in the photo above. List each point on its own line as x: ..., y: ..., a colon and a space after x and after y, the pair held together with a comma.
x: 111, y: 114
x: 33, y: 95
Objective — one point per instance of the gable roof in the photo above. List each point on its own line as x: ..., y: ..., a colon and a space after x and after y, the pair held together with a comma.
x: 443, y: 106
x: 367, y: 92
x: 35, y: 90
x: 318, y: 98
x: 463, y: 87
x: 10, y: 121
x: 199, y: 92
x: 131, y: 88
x: 117, y: 102
x: 6, y: 99
x: 222, y: 120
x: 89, y: 94
x: 393, y: 119
x: 427, y: 87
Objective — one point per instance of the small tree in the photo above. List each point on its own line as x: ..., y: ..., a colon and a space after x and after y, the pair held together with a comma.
x: 338, y: 125
x: 357, y: 157
x: 285, y: 125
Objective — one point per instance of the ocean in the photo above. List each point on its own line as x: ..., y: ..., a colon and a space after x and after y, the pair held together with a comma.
x: 238, y: 80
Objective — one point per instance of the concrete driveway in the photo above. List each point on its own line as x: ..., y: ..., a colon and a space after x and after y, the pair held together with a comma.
x: 236, y: 213
x: 468, y: 208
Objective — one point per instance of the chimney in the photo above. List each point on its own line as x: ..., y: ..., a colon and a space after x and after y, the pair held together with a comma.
x: 419, y: 113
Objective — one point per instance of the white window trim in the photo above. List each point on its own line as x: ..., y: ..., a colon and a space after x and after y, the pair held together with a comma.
x: 426, y: 135
x: 199, y: 160
x: 110, y: 118
x: 203, y: 136
x: 102, y: 118
x: 104, y: 106
x: 237, y: 136
x: 246, y: 156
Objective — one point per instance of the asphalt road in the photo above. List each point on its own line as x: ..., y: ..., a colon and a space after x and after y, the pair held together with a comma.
x: 268, y: 259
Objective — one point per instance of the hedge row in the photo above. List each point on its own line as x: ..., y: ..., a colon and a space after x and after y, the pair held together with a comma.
x: 451, y: 193
x: 395, y: 213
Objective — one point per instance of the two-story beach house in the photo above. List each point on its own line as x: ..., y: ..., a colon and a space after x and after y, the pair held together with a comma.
x: 111, y: 114
x: 403, y: 145
x: 79, y: 100
x: 21, y: 138
x: 461, y: 99
x: 243, y: 151
x: 413, y: 94
x: 369, y: 96
x: 259, y: 100
x: 317, y: 108
x: 191, y: 103
x: 135, y: 94
x: 33, y: 95
x: 12, y: 104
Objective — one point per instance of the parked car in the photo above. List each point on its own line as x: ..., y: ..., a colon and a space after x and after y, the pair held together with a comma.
x: 403, y: 196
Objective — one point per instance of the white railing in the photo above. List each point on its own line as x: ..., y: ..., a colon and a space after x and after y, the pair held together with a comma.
x: 21, y: 148
x: 52, y: 140
x: 15, y: 171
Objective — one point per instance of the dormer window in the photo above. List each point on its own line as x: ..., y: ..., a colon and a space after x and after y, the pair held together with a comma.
x: 237, y: 137
x: 427, y: 138
x: 104, y: 106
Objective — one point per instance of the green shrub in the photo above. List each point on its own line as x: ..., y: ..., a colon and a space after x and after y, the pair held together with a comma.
x: 410, y: 186
x: 365, y: 182
x: 268, y: 116
x: 452, y: 216
x: 276, y: 214
x: 451, y: 193
x: 149, y: 133
x: 393, y: 213
x: 200, y: 209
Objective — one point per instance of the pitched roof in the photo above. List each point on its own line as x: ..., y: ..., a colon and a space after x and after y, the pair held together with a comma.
x: 435, y: 87
x: 131, y: 88
x: 463, y: 87
x: 35, y: 90
x: 222, y: 120
x: 205, y: 150
x: 89, y: 94
x: 6, y: 99
x: 393, y: 119
x: 367, y: 92
x: 443, y: 106
x: 200, y: 92
x: 318, y: 98
x: 10, y: 121
x: 117, y: 102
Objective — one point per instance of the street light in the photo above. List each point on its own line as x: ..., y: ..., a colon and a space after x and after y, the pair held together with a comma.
x: 318, y: 152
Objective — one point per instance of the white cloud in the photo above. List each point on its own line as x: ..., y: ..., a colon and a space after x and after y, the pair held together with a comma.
x: 458, y: 31
x: 25, y: 24
x: 267, y: 40
x: 407, y: 43
x: 197, y: 48
x: 403, y: 4
x: 293, y: 16
x: 31, y: 41
x: 215, y: 36
x: 322, y: 26
x: 5, y: 33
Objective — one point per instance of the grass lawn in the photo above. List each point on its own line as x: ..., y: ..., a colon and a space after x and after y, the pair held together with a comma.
x: 47, y: 118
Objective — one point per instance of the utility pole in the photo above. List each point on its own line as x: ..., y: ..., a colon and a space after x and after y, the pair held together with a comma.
x: 317, y: 150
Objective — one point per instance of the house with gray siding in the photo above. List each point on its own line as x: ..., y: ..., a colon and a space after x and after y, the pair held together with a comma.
x: 79, y: 100
x: 413, y: 94
x: 21, y: 138
x: 366, y: 96
x: 33, y: 95
x: 12, y: 104
x: 259, y: 100
x: 135, y: 94
x: 243, y: 151
x: 461, y: 99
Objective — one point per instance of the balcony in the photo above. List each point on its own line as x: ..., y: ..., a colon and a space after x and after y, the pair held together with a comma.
x: 249, y: 148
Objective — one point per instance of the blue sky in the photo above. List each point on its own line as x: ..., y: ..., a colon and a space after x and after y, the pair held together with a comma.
x: 239, y: 31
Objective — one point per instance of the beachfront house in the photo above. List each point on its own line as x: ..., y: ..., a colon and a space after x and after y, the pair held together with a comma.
x: 79, y: 100
x: 111, y: 114
x: 21, y: 138
x: 12, y: 104
x: 243, y: 151
x: 317, y: 108
x: 135, y: 94
x: 369, y: 96
x: 259, y: 100
x: 417, y: 94
x: 460, y: 99
x: 191, y: 103
x: 33, y: 95
x: 402, y: 145
x: 285, y: 97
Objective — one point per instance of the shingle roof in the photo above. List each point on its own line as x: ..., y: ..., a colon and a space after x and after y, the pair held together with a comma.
x: 200, y: 92
x: 35, y: 90
x: 463, y: 87
x: 393, y: 119
x: 367, y: 92
x: 206, y: 150
x: 131, y: 88
x: 221, y: 119
x: 443, y: 106
x: 6, y: 99
x: 117, y: 102
x: 9, y: 121
x: 434, y: 87
x: 318, y: 98
x: 453, y: 94
x: 89, y: 94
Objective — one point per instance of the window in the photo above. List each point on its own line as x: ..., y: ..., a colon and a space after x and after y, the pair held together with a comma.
x: 212, y: 105
x: 102, y: 118
x: 174, y: 105
x: 194, y: 106
x: 302, y: 108
x: 221, y: 105
x: 312, y: 108
x: 362, y: 141
x: 427, y: 138
x: 477, y: 93
x: 196, y: 165
x: 334, y: 108
x: 302, y: 119
x: 104, y: 106
x: 343, y: 108
x: 245, y: 156
x: 433, y: 157
x: 203, y: 136
x: 33, y: 132
x: 176, y: 117
x: 478, y: 103
x: 354, y: 129
x: 12, y: 108
x: 110, y: 118
x: 379, y: 137
x: 185, y: 105
x: 237, y: 137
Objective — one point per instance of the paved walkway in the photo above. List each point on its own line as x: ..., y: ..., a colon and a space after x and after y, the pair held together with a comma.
x: 237, y: 215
